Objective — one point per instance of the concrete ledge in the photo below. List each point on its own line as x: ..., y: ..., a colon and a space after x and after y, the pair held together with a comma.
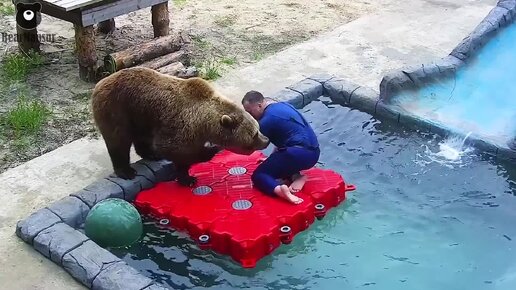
x: 37, y: 222
x: 414, y: 77
x: 118, y: 277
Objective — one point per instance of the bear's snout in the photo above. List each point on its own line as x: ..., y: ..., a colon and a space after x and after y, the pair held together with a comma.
x: 261, y: 141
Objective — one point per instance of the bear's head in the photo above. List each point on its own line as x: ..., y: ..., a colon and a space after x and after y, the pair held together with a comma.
x: 28, y: 15
x: 240, y: 133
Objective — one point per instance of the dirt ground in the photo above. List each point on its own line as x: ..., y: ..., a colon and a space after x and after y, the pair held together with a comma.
x: 225, y: 34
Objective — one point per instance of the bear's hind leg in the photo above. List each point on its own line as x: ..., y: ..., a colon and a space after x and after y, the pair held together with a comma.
x: 144, y: 149
x: 118, y: 143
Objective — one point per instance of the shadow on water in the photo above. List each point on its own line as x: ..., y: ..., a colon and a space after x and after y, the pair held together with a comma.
x: 418, y: 220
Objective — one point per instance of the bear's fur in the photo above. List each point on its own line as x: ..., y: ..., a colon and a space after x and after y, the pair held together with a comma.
x: 170, y: 118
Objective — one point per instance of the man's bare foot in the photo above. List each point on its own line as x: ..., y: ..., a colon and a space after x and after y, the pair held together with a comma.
x: 283, y: 192
x: 297, y: 184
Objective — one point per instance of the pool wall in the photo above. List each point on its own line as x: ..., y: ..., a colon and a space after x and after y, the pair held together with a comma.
x: 414, y: 77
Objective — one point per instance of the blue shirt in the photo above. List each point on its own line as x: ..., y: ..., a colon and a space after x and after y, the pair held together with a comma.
x: 286, y: 127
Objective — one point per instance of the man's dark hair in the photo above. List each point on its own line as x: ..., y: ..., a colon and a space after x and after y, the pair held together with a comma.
x: 252, y: 97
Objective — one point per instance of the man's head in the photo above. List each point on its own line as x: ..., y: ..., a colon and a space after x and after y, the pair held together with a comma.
x: 254, y: 103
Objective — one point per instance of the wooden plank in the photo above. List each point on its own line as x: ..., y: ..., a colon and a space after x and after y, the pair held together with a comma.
x: 98, y: 14
x: 51, y: 10
x: 69, y: 5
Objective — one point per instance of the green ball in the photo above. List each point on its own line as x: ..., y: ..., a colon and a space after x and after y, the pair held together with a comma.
x: 113, y: 222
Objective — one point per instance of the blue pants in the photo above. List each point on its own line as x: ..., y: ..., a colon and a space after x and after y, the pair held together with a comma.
x: 283, y: 164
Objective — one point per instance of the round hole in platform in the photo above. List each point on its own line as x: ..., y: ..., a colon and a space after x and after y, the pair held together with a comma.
x: 204, y: 238
x: 202, y: 190
x: 164, y: 222
x: 319, y: 206
x: 285, y: 229
x: 242, y: 204
x: 237, y: 170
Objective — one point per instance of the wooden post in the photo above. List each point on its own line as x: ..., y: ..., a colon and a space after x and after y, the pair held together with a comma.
x: 27, y: 39
x: 86, y: 52
x: 160, y: 19
x: 107, y: 26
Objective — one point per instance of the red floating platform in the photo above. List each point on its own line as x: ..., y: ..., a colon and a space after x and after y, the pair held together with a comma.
x: 227, y: 214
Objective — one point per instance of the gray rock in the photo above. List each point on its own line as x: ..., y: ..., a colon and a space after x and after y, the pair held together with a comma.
x: 120, y: 276
x: 416, y: 74
x: 449, y: 64
x: 477, y: 142
x: 510, y: 5
x: 98, y: 191
x: 461, y: 51
x: 163, y: 170
x: 71, y: 210
x: 57, y: 240
x: 131, y: 187
x: 310, y: 89
x: 290, y: 96
x: 507, y: 154
x: 392, y: 83
x: 143, y: 170
x: 339, y: 90
x: 156, y: 287
x: 364, y: 99
x: 512, y: 144
x: 498, y: 17
x: 85, y: 262
x: 38, y: 221
x: 411, y: 121
x: 188, y: 72
x: 386, y: 112
x: 321, y: 77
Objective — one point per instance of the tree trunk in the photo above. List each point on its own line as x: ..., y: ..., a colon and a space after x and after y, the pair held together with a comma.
x: 28, y: 40
x: 178, y: 56
x: 172, y: 69
x: 86, y: 51
x: 107, y: 26
x: 160, y: 19
x: 140, y: 53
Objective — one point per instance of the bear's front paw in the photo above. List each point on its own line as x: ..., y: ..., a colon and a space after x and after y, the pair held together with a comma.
x: 126, y: 173
x: 189, y: 181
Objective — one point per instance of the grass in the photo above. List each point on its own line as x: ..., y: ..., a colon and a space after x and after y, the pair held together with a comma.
x: 6, y: 8
x: 180, y: 3
x: 27, y: 117
x: 16, y: 66
x: 210, y: 70
x: 229, y: 60
x: 225, y: 21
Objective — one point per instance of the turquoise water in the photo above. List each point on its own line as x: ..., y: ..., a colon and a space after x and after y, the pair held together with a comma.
x: 481, y: 98
x: 416, y: 221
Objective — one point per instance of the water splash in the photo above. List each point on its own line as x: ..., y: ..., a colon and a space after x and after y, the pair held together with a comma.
x: 450, y: 152
x: 453, y: 148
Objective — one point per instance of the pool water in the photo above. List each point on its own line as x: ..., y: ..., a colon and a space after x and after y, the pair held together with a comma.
x: 480, y: 98
x: 416, y: 221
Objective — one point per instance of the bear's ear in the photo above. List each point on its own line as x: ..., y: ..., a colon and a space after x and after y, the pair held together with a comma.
x: 227, y: 122
x: 19, y: 6
x: 37, y: 6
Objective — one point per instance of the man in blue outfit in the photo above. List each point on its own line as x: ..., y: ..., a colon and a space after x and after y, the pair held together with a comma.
x: 297, y: 147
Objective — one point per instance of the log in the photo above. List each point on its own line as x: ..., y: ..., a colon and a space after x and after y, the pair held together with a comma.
x: 86, y: 52
x: 189, y: 72
x: 178, y: 56
x: 172, y: 69
x: 141, y: 53
x: 160, y: 19
x: 107, y: 26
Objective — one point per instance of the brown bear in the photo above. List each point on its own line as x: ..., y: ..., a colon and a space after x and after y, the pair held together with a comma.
x: 171, y: 118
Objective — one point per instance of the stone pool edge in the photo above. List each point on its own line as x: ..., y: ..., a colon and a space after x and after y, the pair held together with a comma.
x: 413, y: 77
x: 55, y: 230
